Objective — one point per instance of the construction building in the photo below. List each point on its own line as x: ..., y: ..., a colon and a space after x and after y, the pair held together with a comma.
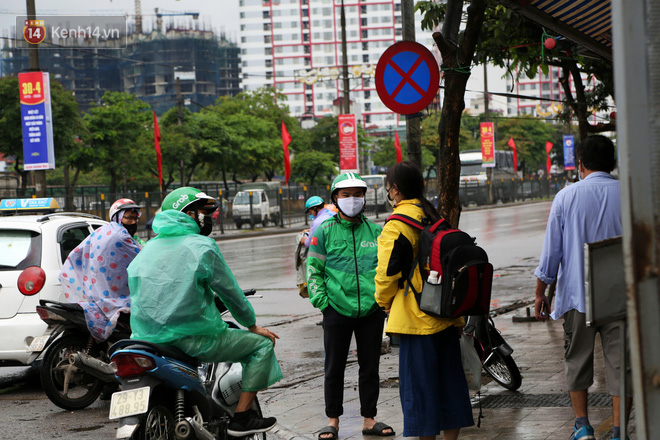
x: 206, y: 65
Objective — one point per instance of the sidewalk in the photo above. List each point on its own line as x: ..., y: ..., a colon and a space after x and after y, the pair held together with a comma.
x: 539, y: 410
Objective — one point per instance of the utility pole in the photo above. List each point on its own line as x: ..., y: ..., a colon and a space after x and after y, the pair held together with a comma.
x: 179, y: 118
x: 38, y: 175
x: 344, y: 61
x: 489, y: 170
x: 413, y: 122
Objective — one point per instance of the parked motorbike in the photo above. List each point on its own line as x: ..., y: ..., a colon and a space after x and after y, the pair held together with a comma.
x: 75, y: 367
x: 166, y: 394
x: 494, y: 352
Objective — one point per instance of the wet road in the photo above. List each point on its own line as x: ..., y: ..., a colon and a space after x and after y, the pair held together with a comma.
x: 512, y: 236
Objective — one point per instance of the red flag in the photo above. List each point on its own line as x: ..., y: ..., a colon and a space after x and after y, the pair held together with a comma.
x: 397, y: 147
x: 286, y: 140
x: 515, y: 155
x: 159, y: 158
x: 548, y: 147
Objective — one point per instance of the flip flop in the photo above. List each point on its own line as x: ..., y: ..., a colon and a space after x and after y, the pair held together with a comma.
x: 378, y: 430
x: 328, y: 430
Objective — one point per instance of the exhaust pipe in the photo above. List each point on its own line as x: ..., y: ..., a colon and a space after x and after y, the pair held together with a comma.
x: 93, y: 366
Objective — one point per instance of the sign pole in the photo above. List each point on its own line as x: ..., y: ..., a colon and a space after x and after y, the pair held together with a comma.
x: 39, y: 175
x: 413, y: 122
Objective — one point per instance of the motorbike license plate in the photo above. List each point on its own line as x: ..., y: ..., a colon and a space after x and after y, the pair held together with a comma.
x: 38, y: 343
x: 129, y: 403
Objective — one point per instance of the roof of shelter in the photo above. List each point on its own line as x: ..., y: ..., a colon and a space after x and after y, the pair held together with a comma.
x: 586, y: 22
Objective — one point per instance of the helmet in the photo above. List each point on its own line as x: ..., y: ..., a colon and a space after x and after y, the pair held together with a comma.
x: 120, y: 205
x: 181, y: 198
x: 313, y: 202
x: 348, y: 180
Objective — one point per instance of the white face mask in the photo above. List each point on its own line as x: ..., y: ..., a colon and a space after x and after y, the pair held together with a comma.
x: 351, y: 206
x: 392, y: 202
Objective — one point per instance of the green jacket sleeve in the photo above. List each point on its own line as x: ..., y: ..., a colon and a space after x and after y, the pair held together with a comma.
x: 316, y: 258
x: 224, y: 284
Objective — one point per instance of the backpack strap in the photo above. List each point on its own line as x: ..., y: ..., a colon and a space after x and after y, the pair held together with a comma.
x: 407, y: 220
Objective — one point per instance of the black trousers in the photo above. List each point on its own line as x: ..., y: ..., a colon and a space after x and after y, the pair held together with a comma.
x: 337, y: 333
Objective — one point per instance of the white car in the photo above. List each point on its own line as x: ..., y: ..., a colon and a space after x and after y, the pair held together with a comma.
x: 32, y: 250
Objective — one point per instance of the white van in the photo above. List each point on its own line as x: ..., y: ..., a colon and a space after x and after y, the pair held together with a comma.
x: 376, y: 194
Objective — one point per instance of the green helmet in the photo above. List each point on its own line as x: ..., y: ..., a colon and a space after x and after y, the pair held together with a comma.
x: 182, y: 198
x: 348, y: 180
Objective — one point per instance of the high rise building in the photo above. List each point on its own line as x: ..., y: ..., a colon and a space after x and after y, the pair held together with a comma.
x: 295, y: 46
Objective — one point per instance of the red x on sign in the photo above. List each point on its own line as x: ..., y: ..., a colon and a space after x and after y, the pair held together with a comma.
x: 407, y: 77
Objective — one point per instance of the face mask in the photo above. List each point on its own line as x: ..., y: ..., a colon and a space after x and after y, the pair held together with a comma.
x: 351, y: 206
x: 132, y: 229
x: 392, y: 202
x: 205, y: 223
x: 312, y: 216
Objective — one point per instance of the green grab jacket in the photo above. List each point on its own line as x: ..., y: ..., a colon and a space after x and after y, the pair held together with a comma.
x: 174, y: 283
x: 341, y: 266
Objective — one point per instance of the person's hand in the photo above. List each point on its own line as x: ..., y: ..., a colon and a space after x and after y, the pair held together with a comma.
x: 264, y: 332
x: 541, y: 307
x: 305, y: 233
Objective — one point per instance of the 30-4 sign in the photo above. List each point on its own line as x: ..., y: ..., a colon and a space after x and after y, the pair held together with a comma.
x: 34, y: 31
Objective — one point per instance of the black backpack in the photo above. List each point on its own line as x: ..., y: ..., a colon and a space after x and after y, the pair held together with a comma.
x: 466, y: 275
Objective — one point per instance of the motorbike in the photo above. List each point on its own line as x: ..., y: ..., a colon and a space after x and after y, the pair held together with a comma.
x: 75, y: 367
x: 494, y: 352
x: 166, y: 394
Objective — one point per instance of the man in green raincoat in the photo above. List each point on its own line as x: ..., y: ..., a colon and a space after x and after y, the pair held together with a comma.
x: 173, y: 282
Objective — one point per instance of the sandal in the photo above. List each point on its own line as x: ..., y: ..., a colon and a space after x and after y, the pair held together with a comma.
x: 328, y: 430
x: 379, y: 430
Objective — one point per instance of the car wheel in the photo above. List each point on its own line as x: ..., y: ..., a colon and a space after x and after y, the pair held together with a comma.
x: 64, y: 384
x: 238, y: 225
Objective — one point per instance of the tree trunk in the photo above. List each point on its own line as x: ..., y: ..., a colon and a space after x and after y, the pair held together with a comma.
x: 68, y: 190
x: 456, y: 62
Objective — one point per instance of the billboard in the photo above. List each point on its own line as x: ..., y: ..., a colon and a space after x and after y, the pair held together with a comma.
x: 487, y: 144
x: 36, y: 120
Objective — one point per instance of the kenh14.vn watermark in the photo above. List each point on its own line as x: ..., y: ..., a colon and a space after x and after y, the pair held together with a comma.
x: 72, y: 31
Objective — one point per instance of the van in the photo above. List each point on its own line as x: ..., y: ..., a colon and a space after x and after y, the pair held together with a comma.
x: 474, y: 180
x: 376, y: 194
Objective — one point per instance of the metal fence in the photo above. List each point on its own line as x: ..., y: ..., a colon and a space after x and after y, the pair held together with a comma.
x: 289, y: 199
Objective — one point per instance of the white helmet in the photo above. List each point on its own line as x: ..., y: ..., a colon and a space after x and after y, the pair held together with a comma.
x: 123, y: 204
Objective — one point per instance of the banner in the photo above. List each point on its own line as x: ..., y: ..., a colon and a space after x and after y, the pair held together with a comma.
x: 348, y: 154
x: 397, y: 147
x: 569, y: 152
x: 548, y: 165
x: 286, y: 140
x: 487, y: 144
x: 37, y: 121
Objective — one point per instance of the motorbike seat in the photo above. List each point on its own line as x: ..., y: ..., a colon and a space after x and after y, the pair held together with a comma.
x: 159, y: 349
x: 71, y: 307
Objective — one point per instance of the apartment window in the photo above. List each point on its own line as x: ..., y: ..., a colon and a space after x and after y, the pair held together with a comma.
x: 243, y: 27
x: 308, y: 87
x: 305, y: 25
x: 242, y: 14
x: 150, y: 79
x: 267, y: 50
x: 367, y: 107
x: 266, y: 14
x: 363, y: 9
x: 187, y: 87
x: 269, y: 74
x: 309, y: 109
x: 365, y: 46
x: 365, y: 34
x: 305, y: 13
x: 306, y: 49
x: 305, y: 37
x: 367, y: 94
x: 269, y: 63
x: 367, y: 119
x: 150, y: 90
x: 545, y: 86
x: 309, y: 96
x: 266, y: 26
x: 266, y: 39
x: 364, y: 21
x: 243, y: 39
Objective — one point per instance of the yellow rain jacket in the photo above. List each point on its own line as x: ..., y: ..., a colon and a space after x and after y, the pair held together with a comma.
x: 397, y: 248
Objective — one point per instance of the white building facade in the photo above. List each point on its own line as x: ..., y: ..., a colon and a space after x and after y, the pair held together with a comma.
x: 295, y: 47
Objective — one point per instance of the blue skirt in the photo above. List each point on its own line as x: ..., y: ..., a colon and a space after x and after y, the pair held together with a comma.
x: 432, y: 386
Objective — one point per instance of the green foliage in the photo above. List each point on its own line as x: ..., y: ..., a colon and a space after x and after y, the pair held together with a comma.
x: 116, y: 127
x: 313, y: 167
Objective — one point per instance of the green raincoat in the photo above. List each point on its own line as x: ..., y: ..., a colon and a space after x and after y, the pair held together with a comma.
x: 341, y: 266
x: 172, y: 301
x: 172, y: 284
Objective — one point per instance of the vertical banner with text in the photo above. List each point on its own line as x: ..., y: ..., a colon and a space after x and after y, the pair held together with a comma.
x: 569, y: 152
x: 348, y: 153
x: 37, y: 121
x: 487, y: 144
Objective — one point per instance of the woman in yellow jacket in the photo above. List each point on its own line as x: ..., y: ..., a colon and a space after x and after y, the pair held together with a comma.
x: 432, y: 386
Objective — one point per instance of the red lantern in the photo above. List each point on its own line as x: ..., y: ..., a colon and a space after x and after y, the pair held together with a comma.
x: 550, y: 43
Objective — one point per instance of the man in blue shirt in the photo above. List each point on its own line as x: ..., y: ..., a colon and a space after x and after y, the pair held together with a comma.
x: 588, y: 211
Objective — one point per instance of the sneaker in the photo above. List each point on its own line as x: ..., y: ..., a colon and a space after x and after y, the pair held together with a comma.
x: 251, y: 425
x: 584, y: 433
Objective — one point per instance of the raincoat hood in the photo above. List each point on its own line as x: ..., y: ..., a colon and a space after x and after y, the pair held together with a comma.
x: 170, y: 223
